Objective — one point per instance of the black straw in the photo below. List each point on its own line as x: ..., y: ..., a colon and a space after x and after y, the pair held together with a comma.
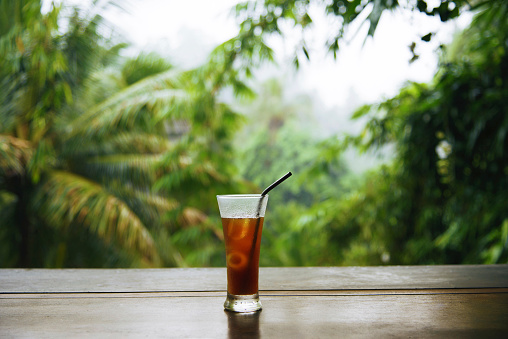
x: 256, y: 230
x: 275, y: 184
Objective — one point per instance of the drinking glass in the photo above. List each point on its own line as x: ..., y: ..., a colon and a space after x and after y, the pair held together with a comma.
x: 242, y: 223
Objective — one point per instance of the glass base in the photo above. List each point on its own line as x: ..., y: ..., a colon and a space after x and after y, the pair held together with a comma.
x: 242, y: 303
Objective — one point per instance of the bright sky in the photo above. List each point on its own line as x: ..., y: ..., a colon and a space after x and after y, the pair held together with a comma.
x: 188, y: 30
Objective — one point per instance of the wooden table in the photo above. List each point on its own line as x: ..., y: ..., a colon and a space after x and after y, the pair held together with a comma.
x: 305, y: 302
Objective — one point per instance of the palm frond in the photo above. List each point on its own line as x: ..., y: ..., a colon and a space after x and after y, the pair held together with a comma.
x: 63, y: 200
x: 150, y: 207
x: 10, y: 96
x: 191, y: 216
x: 15, y: 154
x: 122, y: 143
x: 185, y: 166
x: 143, y: 66
x: 136, y: 169
x: 160, y: 94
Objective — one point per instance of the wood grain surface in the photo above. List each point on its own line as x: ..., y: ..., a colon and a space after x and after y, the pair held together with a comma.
x: 352, y: 316
x: 270, y: 278
x: 338, y: 302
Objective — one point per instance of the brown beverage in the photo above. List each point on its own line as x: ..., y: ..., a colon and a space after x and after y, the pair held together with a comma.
x: 242, y: 258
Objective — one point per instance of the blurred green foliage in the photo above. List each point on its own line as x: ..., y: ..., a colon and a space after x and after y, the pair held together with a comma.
x: 447, y: 195
x: 107, y: 161
x: 99, y: 152
x: 259, y: 19
x: 279, y: 138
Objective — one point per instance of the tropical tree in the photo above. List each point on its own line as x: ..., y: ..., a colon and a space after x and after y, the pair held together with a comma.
x: 42, y: 73
x: 451, y: 190
x: 441, y: 199
x: 260, y: 20
x: 97, y: 161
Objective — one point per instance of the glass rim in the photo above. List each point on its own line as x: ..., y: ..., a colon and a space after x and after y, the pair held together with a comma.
x: 240, y: 196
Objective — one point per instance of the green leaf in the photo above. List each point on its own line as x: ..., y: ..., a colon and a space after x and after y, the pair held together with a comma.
x: 427, y: 37
x: 305, y: 52
x: 362, y: 111
x: 137, y: 169
x: 15, y: 154
x: 65, y: 200
x: 159, y: 94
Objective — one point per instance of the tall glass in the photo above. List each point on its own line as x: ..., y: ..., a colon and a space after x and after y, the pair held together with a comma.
x: 242, y: 223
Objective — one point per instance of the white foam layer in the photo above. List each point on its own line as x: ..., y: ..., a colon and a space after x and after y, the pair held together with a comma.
x: 242, y: 205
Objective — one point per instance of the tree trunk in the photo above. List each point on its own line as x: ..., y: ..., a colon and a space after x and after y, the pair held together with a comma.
x: 21, y: 219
